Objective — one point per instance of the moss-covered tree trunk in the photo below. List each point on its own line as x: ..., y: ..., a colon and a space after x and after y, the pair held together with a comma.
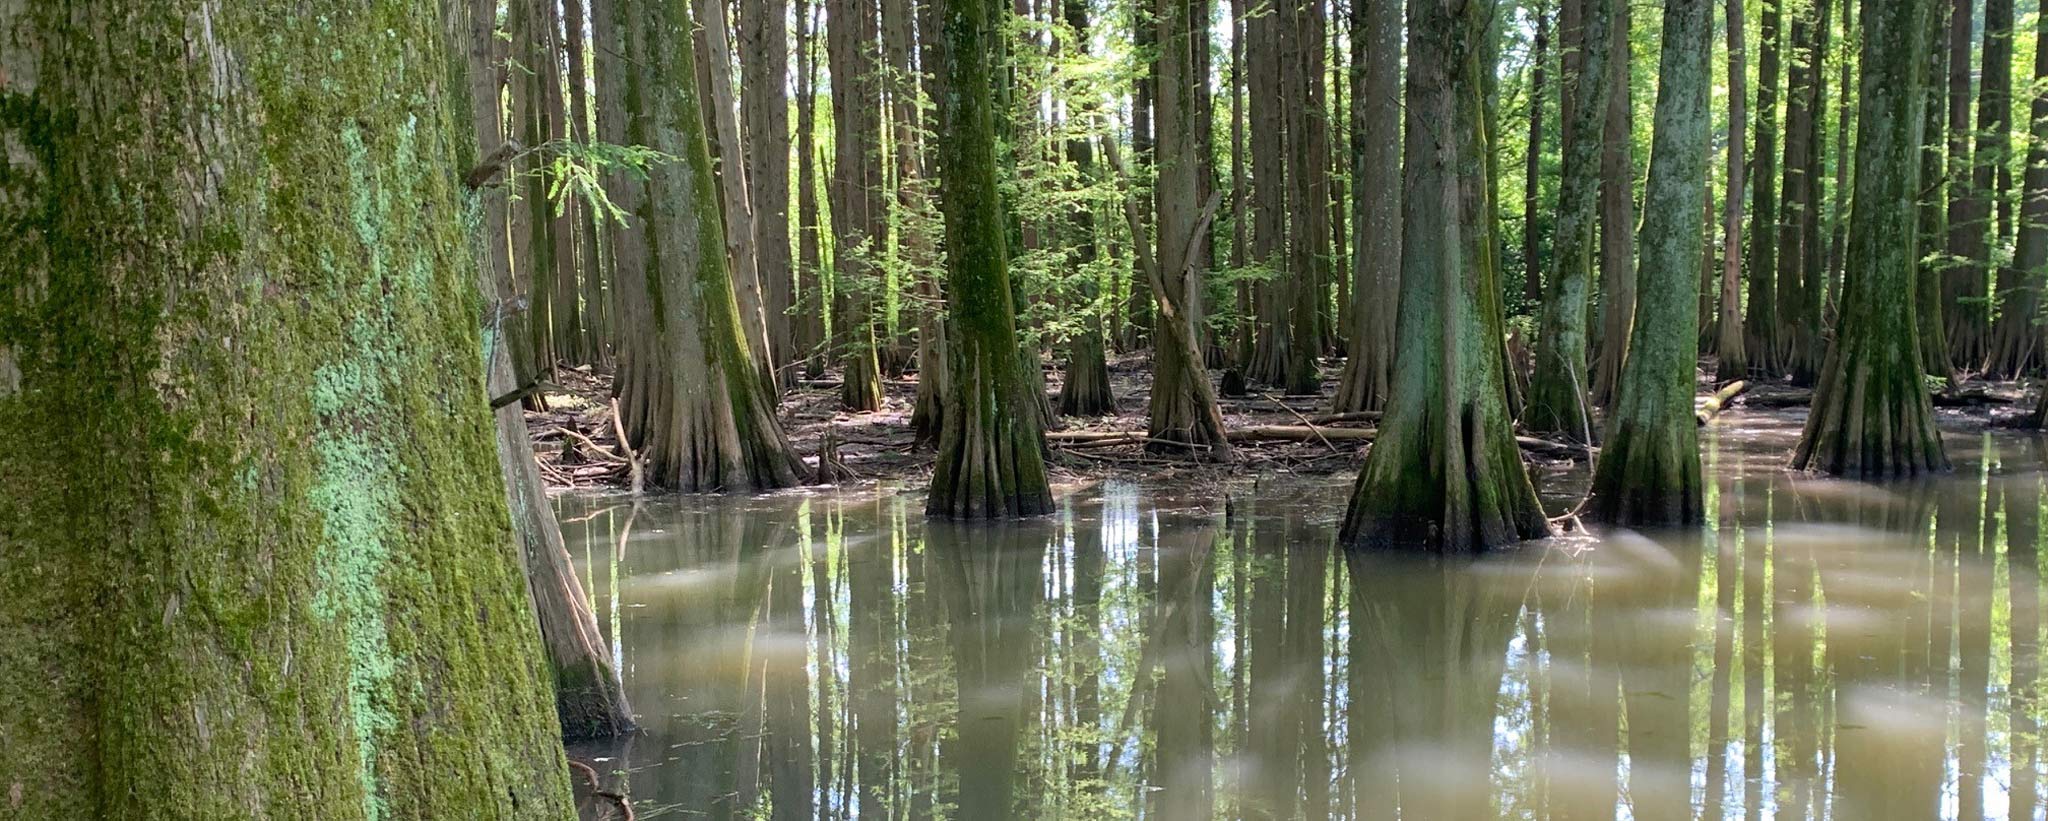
x: 254, y: 564
x: 991, y: 461
x: 859, y: 218
x: 742, y: 250
x: 1649, y: 470
x: 1799, y: 275
x: 1732, y: 355
x: 691, y: 396
x: 1446, y: 474
x: 1556, y: 401
x: 1871, y: 413
x: 1375, y: 203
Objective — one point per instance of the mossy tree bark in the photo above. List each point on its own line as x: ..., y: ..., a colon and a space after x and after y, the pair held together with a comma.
x: 1446, y: 474
x: 255, y: 563
x: 691, y: 396
x: 742, y: 250
x: 1800, y: 275
x: 859, y: 217
x: 1557, y: 392
x: 1375, y: 203
x: 991, y: 461
x: 1649, y: 471
x: 1871, y: 413
x: 1732, y: 356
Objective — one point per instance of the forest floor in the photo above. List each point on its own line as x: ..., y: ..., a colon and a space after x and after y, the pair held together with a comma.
x: 577, y: 446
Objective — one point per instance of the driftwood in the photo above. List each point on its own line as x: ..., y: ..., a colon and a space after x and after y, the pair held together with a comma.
x: 1719, y: 401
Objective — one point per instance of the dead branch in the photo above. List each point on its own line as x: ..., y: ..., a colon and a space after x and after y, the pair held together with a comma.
x: 597, y: 789
x: 1719, y: 401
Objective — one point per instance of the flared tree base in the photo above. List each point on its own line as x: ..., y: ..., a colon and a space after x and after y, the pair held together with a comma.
x: 1425, y: 489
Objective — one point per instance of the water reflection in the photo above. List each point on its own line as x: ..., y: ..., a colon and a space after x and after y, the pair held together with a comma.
x: 1820, y: 650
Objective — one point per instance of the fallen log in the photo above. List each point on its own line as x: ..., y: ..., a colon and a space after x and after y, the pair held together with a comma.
x: 1285, y: 433
x: 1719, y: 401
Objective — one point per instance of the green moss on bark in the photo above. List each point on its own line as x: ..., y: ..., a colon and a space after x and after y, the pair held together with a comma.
x: 1649, y: 472
x: 261, y: 553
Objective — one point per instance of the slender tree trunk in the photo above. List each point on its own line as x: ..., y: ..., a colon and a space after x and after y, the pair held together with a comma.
x: 596, y: 324
x: 2015, y: 335
x: 1761, y: 323
x: 859, y: 221
x: 1963, y: 283
x: 1445, y: 474
x: 1375, y: 202
x: 1298, y: 350
x: 1532, y: 174
x: 1733, y: 362
x: 1557, y: 393
x: 1649, y: 470
x: 263, y: 464
x: 1617, y: 218
x: 691, y: 396
x: 1928, y: 286
x: 1872, y: 416
x: 812, y: 275
x: 1144, y: 87
x: 914, y: 218
x: 1085, y: 390
x: 565, y: 310
x: 1183, y: 412
x: 764, y: 108
x: 1240, y: 199
x: 2020, y: 299
x: 741, y: 247
x: 1266, y: 70
x: 1845, y: 121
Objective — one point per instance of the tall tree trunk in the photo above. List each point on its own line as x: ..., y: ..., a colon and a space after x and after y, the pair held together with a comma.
x: 859, y: 221
x: 1733, y: 361
x: 1266, y: 71
x: 1240, y: 202
x: 565, y: 314
x: 691, y: 396
x: 589, y: 699
x: 1928, y: 285
x: 198, y: 606
x: 1617, y: 218
x: 913, y: 218
x: 1558, y: 391
x: 1308, y: 199
x: 1760, y: 326
x: 1649, y: 470
x: 1845, y: 125
x: 595, y: 346
x: 764, y: 109
x: 1375, y: 202
x: 2020, y: 340
x: 1183, y: 411
x: 1963, y: 294
x: 1085, y: 389
x: 741, y: 247
x: 1872, y: 416
x: 2015, y: 336
x: 812, y: 275
x: 1144, y: 88
x: 1800, y: 272
x: 990, y: 462
x: 1532, y: 172
x: 1445, y: 474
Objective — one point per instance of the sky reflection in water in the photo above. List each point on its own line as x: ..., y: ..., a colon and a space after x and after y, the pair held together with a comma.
x: 1821, y: 650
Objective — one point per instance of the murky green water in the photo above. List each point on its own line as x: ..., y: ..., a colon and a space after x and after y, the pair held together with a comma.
x: 1822, y: 650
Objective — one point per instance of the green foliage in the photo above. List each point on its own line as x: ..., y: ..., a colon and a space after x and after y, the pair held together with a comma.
x: 576, y: 169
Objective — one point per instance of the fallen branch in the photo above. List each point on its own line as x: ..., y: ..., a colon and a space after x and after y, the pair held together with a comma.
x: 597, y: 789
x: 1304, y: 420
x: 1719, y: 401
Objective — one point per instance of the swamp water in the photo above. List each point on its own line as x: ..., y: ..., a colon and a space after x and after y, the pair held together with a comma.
x: 1820, y: 650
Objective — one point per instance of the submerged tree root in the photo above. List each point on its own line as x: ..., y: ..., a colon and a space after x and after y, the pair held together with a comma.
x: 597, y: 789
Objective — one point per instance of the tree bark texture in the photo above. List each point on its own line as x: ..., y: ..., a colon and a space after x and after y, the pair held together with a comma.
x: 1375, y: 203
x: 209, y: 624
x: 859, y: 217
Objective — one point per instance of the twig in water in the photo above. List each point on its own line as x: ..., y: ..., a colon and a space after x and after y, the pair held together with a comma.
x: 1304, y: 420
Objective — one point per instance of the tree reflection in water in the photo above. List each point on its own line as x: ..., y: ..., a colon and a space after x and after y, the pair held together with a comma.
x: 1819, y: 650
